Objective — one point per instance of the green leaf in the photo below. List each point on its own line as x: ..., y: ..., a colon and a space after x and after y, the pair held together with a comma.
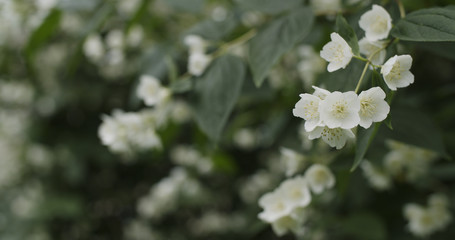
x: 216, y: 94
x: 214, y: 30
x: 364, y: 225
x: 43, y: 32
x: 79, y: 5
x: 363, y: 142
x: 347, y: 32
x: 276, y: 39
x: 415, y: 128
x: 268, y: 6
x: 344, y: 79
x: 193, y: 6
x: 427, y: 25
x: 182, y: 85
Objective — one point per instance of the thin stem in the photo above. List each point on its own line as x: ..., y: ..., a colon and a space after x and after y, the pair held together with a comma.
x: 361, y: 77
x: 240, y: 40
x: 360, y: 58
x: 401, y: 7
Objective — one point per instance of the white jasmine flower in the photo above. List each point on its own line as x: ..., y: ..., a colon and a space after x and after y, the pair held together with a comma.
x: 396, y: 72
x: 114, y: 39
x: 293, y: 161
x: 197, y: 63
x: 340, y: 110
x: 378, y: 179
x: 438, y: 201
x: 425, y: 221
x: 376, y: 23
x: 335, y: 137
x: 368, y: 48
x: 326, y: 6
x: 275, y: 206
x: 219, y: 13
x: 284, y: 224
x: 151, y: 91
x: 296, y: 192
x: 320, y: 92
x: 319, y: 177
x: 94, y: 47
x: 373, y: 107
x: 308, y: 108
x: 337, y: 52
x: 135, y: 36
x: 195, y: 43
x: 245, y: 138
x: 310, y: 66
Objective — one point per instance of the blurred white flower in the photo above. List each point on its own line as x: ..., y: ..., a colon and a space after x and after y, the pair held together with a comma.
x: 151, y: 91
x: 337, y: 52
x: 252, y: 18
x: 195, y: 43
x: 180, y: 112
x: 197, y: 63
x: 296, y: 191
x: 275, y: 206
x: 377, y: 178
x: 286, y: 224
x: 424, y: 221
x: 188, y: 156
x: 396, y: 72
x: 94, y: 48
x: 368, y: 48
x: 245, y: 138
x: 319, y: 177
x: 292, y: 160
x: 376, y: 23
x: 373, y: 107
x: 115, y: 39
x: 135, y: 36
x: 340, y: 110
x: 219, y: 13
x: 335, y: 137
x: 127, y: 7
x: 308, y: 108
x: 328, y: 7
x: 255, y: 185
x: 310, y: 66
x: 320, y: 92
x: 139, y: 230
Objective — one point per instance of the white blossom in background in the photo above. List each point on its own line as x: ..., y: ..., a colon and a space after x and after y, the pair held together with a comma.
x: 252, y: 18
x: 180, y: 112
x: 198, y: 62
x: 396, y: 72
x: 151, y: 91
x: 327, y: 7
x: 292, y: 160
x: 16, y: 93
x: 115, y: 39
x: 126, y: 132
x: 188, y: 156
x: 337, y: 52
x: 135, y: 36
x: 335, y: 137
x: 94, y: 47
x: 213, y: 222
x: 376, y: 23
x: 127, y: 7
x: 424, y: 221
x: 219, y: 13
x: 139, y: 230
x: 27, y: 203
x: 308, y: 108
x: 310, y: 66
x: 319, y: 177
x: 285, y: 207
x: 373, y: 107
x: 46, y: 4
x: 10, y: 167
x: 340, y: 110
x: 255, y: 185
x: 245, y: 138
x: 411, y: 161
x: 195, y: 43
x: 376, y: 177
x: 368, y: 48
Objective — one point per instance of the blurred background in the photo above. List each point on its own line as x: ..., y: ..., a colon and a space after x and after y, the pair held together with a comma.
x: 68, y: 67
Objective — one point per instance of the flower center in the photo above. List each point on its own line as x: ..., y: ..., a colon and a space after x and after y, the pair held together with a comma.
x: 339, y: 109
x: 395, y: 72
x: 311, y: 110
x: 367, y: 108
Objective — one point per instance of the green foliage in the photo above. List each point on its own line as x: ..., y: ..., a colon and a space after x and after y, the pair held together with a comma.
x: 347, y: 32
x: 277, y: 38
x: 214, y: 30
x: 268, y: 6
x: 363, y: 142
x: 427, y: 25
x: 364, y: 226
x: 216, y: 93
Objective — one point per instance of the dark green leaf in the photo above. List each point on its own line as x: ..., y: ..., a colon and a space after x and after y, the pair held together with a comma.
x: 268, y: 6
x: 182, y: 85
x: 363, y: 141
x: 344, y: 79
x: 79, y: 5
x: 415, y: 128
x: 276, y: 39
x: 43, y: 32
x: 427, y: 25
x: 214, y: 30
x: 364, y: 226
x: 216, y: 94
x: 345, y: 30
